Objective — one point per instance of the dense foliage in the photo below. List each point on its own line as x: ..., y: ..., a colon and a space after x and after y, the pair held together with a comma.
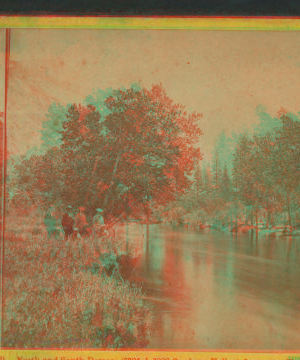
x: 130, y: 147
x: 68, y: 294
x: 258, y: 181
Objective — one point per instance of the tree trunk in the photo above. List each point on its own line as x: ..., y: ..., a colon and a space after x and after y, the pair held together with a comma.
x: 256, y: 220
x: 248, y: 213
x: 127, y: 239
x: 147, y: 248
x: 111, y: 181
x: 146, y: 210
x: 92, y: 176
x: 256, y: 217
x: 267, y: 226
x: 289, y: 211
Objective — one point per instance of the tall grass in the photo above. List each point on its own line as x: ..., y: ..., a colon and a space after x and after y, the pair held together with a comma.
x: 58, y: 293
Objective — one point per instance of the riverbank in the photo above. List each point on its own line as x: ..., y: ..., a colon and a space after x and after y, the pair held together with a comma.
x: 71, y: 294
x: 242, y: 228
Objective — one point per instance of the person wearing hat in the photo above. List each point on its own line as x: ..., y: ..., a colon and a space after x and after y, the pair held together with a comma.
x: 98, y: 223
x: 68, y: 222
x: 81, y: 223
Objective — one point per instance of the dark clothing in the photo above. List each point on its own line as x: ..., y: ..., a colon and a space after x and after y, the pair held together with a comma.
x: 67, y: 224
x: 85, y: 231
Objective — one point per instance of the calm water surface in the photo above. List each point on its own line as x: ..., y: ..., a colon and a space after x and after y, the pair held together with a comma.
x: 213, y: 290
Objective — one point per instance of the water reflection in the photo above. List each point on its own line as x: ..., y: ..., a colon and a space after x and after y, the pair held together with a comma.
x: 213, y: 290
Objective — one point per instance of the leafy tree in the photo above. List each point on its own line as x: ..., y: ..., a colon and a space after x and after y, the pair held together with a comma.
x: 244, y: 176
x: 225, y: 186
x: 153, y: 142
x: 198, y: 183
x: 128, y: 148
x: 286, y: 160
x: 53, y: 126
x: 224, y: 147
x: 216, y: 170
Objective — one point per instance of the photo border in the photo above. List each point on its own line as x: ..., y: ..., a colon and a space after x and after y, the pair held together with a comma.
x: 201, y: 23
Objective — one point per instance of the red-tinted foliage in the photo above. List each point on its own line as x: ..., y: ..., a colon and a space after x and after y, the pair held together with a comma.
x: 142, y: 151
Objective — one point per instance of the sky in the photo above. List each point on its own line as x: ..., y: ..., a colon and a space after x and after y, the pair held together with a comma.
x: 223, y: 74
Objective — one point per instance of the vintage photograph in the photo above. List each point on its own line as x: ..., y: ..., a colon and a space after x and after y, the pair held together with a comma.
x: 152, y: 189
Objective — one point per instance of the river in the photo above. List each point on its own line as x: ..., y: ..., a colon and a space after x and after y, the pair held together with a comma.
x: 214, y: 290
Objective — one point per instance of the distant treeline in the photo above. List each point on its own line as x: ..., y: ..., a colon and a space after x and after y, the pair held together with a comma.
x: 254, y: 176
x: 134, y: 150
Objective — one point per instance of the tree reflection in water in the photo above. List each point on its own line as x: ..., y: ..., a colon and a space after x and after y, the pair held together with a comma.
x: 214, y: 290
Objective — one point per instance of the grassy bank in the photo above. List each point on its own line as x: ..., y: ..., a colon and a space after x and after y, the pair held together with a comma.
x: 68, y: 294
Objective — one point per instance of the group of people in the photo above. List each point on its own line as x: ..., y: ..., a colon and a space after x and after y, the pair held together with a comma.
x: 71, y: 226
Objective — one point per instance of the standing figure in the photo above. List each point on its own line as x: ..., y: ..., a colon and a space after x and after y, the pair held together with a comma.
x: 68, y: 222
x: 81, y: 223
x: 98, y: 224
x: 52, y: 224
x: 49, y: 221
